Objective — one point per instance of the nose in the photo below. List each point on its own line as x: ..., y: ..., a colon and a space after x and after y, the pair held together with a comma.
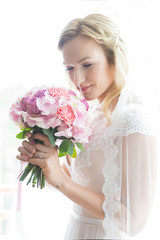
x: 79, y: 77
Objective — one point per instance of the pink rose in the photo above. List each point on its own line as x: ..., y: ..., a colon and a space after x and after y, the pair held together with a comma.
x: 56, y: 92
x: 66, y: 114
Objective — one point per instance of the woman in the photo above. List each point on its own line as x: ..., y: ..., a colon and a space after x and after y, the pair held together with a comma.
x: 112, y: 184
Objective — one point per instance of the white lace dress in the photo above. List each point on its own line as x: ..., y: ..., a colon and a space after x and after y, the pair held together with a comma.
x: 119, y: 162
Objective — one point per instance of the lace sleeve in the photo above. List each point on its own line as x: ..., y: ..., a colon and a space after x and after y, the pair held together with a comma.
x: 129, y: 172
x: 130, y: 180
x: 133, y: 118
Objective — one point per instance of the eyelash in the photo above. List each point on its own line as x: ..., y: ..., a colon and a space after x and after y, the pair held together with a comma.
x: 69, y: 69
x: 85, y: 66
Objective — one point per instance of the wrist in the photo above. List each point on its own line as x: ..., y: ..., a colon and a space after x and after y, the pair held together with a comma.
x: 60, y: 184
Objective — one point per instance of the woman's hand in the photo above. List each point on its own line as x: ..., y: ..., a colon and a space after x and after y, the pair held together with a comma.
x: 27, y: 149
x: 44, y: 155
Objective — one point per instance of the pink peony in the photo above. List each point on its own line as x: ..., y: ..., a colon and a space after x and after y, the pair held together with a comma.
x: 47, y: 105
x: 66, y: 114
x: 64, y: 131
x: 29, y: 104
x: 32, y: 107
x: 23, y: 104
x: 40, y: 93
x: 15, y: 113
x: 81, y: 134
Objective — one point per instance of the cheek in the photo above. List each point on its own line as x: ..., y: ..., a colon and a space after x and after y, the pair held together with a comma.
x: 108, y: 75
x: 95, y: 75
x: 70, y: 75
x: 99, y: 76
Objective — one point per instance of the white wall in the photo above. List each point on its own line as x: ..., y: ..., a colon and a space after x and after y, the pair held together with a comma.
x: 29, y: 32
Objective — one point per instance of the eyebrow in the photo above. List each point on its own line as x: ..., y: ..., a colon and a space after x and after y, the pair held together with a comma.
x: 81, y: 60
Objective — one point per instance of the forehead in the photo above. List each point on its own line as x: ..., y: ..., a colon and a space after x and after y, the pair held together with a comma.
x: 79, y: 48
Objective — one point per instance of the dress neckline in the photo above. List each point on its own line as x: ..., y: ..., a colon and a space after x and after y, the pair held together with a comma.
x: 96, y: 105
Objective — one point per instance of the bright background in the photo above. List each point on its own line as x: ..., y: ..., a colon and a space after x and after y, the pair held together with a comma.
x: 29, y: 32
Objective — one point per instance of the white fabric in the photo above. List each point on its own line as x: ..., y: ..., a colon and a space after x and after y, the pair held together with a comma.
x: 81, y: 227
x: 120, y: 162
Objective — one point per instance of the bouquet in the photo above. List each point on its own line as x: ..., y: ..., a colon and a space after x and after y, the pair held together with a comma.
x: 58, y: 113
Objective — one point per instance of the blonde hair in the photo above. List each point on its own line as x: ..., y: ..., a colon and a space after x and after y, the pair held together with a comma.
x: 104, y: 31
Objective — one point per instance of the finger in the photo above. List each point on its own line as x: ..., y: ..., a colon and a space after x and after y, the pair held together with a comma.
x: 39, y: 155
x: 43, y: 138
x: 28, y: 146
x: 23, y: 151
x: 38, y: 161
x: 29, y: 135
x: 22, y: 157
x: 42, y: 148
x: 31, y: 141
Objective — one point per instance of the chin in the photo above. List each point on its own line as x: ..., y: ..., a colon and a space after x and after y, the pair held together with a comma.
x: 89, y: 98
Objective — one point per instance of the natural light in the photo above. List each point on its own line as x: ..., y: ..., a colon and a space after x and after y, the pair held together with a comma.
x: 29, y: 57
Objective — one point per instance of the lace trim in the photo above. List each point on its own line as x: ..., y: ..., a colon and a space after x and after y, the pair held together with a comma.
x: 110, y: 189
x: 127, y: 120
x: 83, y: 159
x: 132, y: 119
x: 79, y: 177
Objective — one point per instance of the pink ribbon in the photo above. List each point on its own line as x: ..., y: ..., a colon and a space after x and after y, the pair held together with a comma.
x: 18, y: 210
x: 19, y: 190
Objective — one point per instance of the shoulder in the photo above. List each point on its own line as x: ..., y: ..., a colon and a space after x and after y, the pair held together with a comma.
x: 131, y: 115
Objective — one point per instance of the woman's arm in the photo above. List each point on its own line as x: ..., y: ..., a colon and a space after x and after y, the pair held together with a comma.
x: 139, y: 164
x: 46, y: 156
x: 65, y: 170
x: 84, y: 197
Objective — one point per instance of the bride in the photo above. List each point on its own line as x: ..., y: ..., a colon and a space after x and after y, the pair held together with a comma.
x: 113, y: 183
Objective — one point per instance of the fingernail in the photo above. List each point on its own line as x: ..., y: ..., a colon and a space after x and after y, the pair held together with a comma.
x: 32, y: 150
x: 32, y: 141
x: 29, y: 154
x: 27, y: 134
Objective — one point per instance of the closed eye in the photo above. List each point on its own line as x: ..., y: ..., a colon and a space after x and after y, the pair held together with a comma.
x: 87, y: 65
x: 69, y: 68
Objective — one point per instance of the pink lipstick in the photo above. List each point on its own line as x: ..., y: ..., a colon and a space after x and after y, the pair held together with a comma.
x: 85, y: 89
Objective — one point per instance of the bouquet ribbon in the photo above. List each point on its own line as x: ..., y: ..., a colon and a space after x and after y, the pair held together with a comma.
x: 19, y: 190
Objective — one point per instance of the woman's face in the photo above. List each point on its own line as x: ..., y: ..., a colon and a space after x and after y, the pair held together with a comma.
x: 88, y: 67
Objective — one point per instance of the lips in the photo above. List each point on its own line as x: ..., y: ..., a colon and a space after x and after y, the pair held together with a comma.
x: 85, y: 89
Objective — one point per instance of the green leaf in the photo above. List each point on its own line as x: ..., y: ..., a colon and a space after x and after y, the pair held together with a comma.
x: 80, y: 146
x: 21, y: 135
x: 74, y: 155
x: 50, y: 133
x: 62, y: 154
x: 28, y: 129
x: 71, y: 148
x: 63, y: 148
